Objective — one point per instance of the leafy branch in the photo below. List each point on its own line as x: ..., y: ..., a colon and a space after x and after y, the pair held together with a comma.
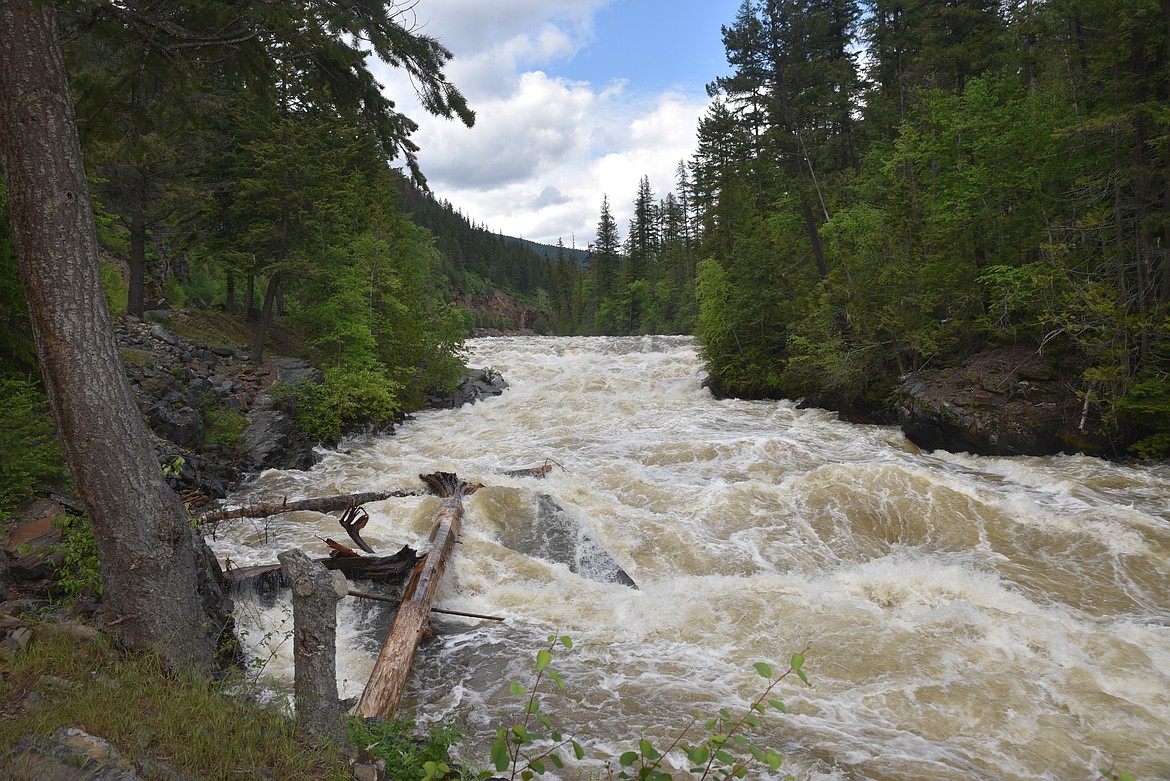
x: 531, y: 745
x: 727, y: 752
x: 509, y: 749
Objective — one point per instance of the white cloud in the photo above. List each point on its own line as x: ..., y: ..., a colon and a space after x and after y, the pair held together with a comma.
x: 469, y: 27
x: 544, y: 149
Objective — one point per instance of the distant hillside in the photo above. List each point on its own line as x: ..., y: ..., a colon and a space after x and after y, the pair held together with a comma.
x: 476, y: 260
x: 549, y: 251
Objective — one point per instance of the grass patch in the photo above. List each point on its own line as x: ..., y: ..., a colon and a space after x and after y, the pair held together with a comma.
x: 188, y: 722
x: 225, y: 426
x: 215, y: 329
x: 220, y: 329
x: 134, y: 357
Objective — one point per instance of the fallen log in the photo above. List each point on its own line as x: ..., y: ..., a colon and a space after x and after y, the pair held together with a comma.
x: 535, y: 471
x: 383, y: 569
x: 321, y: 505
x: 388, y: 678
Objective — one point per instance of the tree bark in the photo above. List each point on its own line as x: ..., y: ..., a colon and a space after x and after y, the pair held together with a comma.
x: 388, y: 678
x: 257, y: 356
x: 316, y: 592
x: 153, y: 567
x: 814, y: 237
x: 249, y: 297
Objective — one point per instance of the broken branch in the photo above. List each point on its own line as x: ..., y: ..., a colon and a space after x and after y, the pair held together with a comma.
x: 353, y: 521
x: 393, y: 600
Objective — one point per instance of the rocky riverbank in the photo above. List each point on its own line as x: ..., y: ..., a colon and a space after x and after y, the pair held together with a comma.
x: 215, y: 419
x: 214, y: 415
x: 1004, y: 401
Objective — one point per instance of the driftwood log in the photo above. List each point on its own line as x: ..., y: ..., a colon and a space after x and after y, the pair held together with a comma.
x: 383, y: 569
x: 322, y: 505
x: 388, y: 678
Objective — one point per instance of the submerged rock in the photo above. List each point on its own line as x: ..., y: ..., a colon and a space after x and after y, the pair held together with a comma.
x: 477, y: 384
x: 554, y: 535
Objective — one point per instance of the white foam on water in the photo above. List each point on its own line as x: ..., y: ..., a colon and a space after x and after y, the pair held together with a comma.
x: 964, y: 617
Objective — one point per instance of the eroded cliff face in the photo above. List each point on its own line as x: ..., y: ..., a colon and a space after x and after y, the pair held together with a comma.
x: 498, y: 313
x: 1003, y: 401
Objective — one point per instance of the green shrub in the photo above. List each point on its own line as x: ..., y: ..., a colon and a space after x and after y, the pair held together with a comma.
x: 117, y: 291
x: 30, y: 455
x: 1148, y: 407
x: 205, y: 282
x: 80, y: 573
x: 225, y: 426
x: 174, y: 293
x: 348, y: 399
x: 407, y: 757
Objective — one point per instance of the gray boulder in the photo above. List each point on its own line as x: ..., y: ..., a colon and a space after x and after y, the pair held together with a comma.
x: 272, y: 439
x: 476, y: 384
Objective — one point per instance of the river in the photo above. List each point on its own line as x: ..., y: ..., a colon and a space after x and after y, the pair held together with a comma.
x: 963, y: 617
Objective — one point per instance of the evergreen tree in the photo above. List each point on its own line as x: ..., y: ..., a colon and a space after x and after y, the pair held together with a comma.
x: 605, y: 266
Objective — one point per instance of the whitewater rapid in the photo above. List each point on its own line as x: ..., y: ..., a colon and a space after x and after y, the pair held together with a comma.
x: 963, y: 617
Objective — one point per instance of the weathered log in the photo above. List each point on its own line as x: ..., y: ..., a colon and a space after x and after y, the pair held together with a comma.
x: 535, y: 471
x: 315, y: 596
x: 381, y: 568
x: 384, y: 569
x: 321, y: 505
x: 388, y: 678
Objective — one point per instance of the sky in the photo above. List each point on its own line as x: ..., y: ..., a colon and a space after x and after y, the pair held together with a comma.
x: 574, y: 99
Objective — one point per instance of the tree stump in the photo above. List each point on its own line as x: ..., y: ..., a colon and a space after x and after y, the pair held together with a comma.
x: 316, y: 592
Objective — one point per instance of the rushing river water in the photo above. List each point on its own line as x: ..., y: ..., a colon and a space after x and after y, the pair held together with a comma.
x: 964, y: 617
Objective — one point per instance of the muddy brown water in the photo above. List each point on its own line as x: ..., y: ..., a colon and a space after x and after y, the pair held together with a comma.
x: 964, y: 617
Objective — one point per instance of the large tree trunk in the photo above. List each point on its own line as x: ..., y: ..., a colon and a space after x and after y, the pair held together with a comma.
x: 148, y: 553
x: 257, y: 356
x: 229, y: 303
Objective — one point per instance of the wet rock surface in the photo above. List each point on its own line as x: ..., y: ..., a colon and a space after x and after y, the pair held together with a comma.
x: 478, y: 384
x: 1004, y: 401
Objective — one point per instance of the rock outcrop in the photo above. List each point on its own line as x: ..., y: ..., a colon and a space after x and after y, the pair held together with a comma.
x: 273, y: 440
x: 182, y: 385
x: 498, y: 313
x: 73, y: 754
x: 1003, y: 401
x: 477, y: 384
